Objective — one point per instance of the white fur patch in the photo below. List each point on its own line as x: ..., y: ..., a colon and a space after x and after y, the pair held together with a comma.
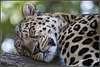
x: 51, y: 51
x: 50, y: 54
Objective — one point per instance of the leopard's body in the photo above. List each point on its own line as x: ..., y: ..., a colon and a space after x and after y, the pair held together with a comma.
x: 77, y: 37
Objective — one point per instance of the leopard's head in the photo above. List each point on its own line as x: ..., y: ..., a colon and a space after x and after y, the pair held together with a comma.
x: 39, y: 33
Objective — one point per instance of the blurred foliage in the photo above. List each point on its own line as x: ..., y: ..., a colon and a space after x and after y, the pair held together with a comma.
x: 11, y: 13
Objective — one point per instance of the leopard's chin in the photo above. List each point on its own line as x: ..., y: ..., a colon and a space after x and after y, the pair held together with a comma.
x: 49, y: 54
x: 46, y: 56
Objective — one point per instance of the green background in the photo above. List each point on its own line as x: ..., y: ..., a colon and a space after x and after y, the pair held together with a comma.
x: 11, y: 13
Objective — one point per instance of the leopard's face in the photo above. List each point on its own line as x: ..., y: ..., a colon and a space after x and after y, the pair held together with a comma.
x: 39, y: 36
x: 43, y: 29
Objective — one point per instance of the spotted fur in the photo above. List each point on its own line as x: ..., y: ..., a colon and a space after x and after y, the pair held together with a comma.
x: 40, y: 35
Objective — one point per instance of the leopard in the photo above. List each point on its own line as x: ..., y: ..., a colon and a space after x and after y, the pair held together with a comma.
x: 42, y: 36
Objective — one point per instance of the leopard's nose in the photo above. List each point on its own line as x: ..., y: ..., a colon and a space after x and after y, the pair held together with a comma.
x: 37, y: 48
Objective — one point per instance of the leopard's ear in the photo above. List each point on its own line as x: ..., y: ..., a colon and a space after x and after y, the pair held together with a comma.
x: 30, y: 10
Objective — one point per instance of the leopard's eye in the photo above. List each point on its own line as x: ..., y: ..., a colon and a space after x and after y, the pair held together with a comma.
x: 36, y: 38
x: 51, y: 42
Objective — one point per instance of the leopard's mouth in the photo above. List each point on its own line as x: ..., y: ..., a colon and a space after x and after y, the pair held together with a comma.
x: 37, y: 48
x: 45, y: 50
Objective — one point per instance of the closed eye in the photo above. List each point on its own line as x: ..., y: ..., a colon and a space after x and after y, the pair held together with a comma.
x: 36, y: 38
x: 51, y: 42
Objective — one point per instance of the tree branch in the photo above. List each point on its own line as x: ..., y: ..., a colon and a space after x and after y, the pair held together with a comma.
x: 8, y: 59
